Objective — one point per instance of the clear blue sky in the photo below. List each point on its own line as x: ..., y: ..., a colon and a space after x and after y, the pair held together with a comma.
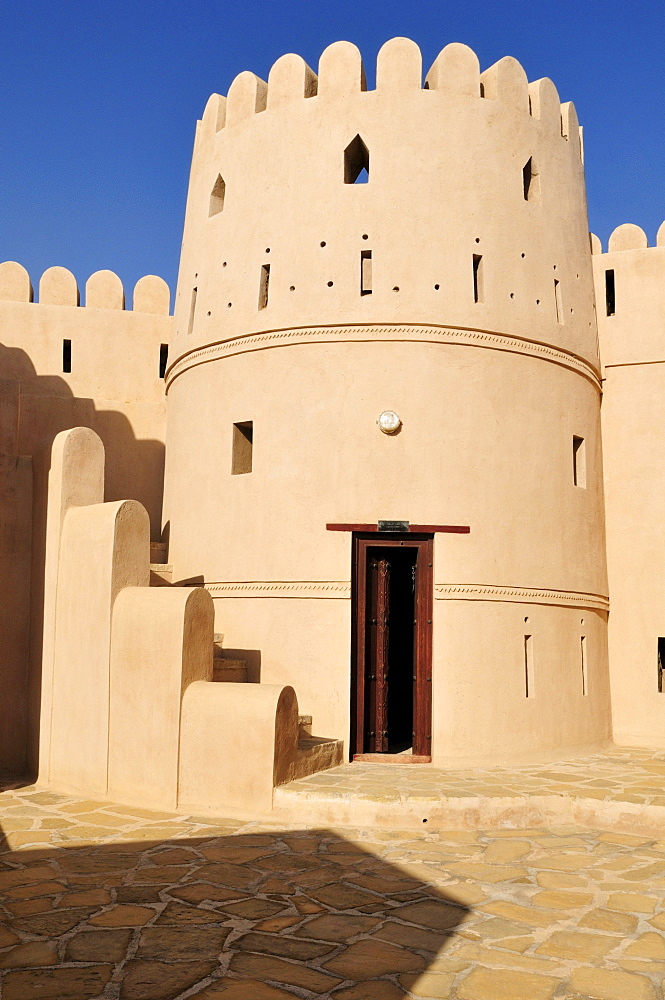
x: 99, y: 100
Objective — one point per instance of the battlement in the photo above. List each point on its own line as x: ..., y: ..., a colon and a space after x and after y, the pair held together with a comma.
x: 103, y: 289
x: 629, y: 280
x: 341, y: 76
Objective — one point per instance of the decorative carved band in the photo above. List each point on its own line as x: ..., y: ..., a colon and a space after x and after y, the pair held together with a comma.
x: 341, y: 590
x: 327, y: 589
x: 428, y: 333
x: 519, y: 595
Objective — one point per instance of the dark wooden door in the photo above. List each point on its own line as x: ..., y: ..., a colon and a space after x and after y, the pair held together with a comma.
x: 378, y: 645
x: 391, y: 691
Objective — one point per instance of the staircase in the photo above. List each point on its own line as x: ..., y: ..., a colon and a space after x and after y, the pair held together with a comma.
x: 313, y: 752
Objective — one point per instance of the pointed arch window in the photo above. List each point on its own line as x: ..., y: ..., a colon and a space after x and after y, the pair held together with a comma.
x: 356, y: 162
x: 217, y: 196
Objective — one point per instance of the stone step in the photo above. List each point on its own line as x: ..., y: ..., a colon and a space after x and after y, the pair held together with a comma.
x: 305, y: 724
x: 161, y: 574
x: 234, y: 671
x: 158, y: 552
x: 318, y: 754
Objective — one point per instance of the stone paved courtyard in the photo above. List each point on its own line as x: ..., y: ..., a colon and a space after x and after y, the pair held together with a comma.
x: 106, y: 901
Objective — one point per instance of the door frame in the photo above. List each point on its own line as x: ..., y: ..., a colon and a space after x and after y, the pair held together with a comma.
x: 424, y: 598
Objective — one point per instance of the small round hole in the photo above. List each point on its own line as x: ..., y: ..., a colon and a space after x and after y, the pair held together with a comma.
x: 523, y: 255
x: 437, y: 287
x: 526, y: 619
x: 209, y: 313
x: 424, y: 821
x: 395, y: 288
x: 229, y: 304
x: 477, y: 239
x: 571, y: 309
x: 365, y: 236
x: 512, y: 295
x: 554, y: 266
x: 537, y: 302
x: 223, y: 263
x: 330, y: 284
x: 323, y: 243
x: 292, y: 288
x: 267, y: 249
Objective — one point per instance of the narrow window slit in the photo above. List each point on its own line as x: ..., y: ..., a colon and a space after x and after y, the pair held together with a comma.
x: 579, y: 462
x: 610, y: 293
x: 583, y: 660
x: 67, y: 356
x: 192, y: 311
x: 356, y: 162
x: 557, y: 301
x: 478, y: 289
x: 661, y: 664
x: 243, y: 443
x: 163, y: 359
x: 530, y: 181
x: 366, y: 272
x: 528, y: 666
x: 264, y: 286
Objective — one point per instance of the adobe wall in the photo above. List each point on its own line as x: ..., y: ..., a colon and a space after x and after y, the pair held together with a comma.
x: 631, y: 328
x: 115, y: 388
x: 114, y: 385
x: 491, y: 392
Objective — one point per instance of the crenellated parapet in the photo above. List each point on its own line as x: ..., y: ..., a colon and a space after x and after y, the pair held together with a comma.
x: 473, y: 214
x: 103, y: 289
x: 630, y: 296
x: 455, y: 71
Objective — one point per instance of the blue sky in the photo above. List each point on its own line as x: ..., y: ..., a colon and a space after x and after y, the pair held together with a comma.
x: 99, y: 100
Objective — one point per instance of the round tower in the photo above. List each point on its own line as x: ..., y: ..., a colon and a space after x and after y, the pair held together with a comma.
x: 420, y: 250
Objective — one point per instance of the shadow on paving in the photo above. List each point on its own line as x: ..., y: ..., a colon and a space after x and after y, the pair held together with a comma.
x: 258, y: 916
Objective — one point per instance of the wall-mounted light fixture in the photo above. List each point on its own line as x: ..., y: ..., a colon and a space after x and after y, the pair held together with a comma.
x: 389, y: 422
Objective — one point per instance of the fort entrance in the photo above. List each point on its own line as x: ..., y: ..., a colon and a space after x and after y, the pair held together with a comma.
x: 391, y: 693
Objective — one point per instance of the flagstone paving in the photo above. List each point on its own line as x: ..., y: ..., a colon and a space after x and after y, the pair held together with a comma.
x: 117, y: 903
x: 618, y: 785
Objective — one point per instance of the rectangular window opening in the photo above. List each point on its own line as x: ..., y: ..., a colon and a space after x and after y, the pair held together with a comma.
x: 557, y: 301
x: 661, y: 664
x: 163, y: 359
x: 67, y: 356
x: 192, y: 310
x: 243, y: 441
x: 366, y: 272
x: 264, y: 285
x: 528, y: 666
x: 478, y: 290
x: 585, y: 681
x: 579, y: 462
x: 610, y: 293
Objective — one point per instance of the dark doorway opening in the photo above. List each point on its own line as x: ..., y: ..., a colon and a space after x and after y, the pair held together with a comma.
x: 392, y: 620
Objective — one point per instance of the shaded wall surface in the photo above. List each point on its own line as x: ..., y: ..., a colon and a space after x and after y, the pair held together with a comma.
x: 63, y: 366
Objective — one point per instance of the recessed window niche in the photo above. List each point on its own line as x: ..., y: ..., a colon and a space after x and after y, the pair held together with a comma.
x: 242, y: 448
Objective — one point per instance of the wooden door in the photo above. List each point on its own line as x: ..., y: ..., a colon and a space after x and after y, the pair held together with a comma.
x: 373, y: 587
x: 376, y: 665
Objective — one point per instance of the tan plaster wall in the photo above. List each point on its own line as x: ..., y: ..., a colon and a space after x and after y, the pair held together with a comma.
x: 490, y: 393
x: 633, y: 352
x: 114, y: 386
x: 16, y: 484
